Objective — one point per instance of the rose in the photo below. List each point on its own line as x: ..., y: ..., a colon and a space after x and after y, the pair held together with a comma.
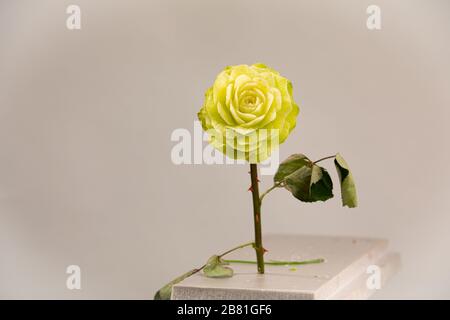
x: 248, y: 112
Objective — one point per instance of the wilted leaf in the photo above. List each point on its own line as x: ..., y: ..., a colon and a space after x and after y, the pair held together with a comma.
x: 298, y: 183
x: 310, y: 183
x: 290, y: 165
x: 321, y: 184
x: 348, y: 188
x: 165, y: 292
x: 215, y: 268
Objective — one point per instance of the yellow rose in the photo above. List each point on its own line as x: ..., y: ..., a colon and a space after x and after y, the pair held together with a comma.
x: 248, y: 112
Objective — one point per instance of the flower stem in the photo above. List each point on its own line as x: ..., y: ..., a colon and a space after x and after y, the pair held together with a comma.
x: 279, y: 263
x: 276, y: 185
x: 257, y: 218
x: 225, y: 253
x: 236, y: 248
x: 325, y: 158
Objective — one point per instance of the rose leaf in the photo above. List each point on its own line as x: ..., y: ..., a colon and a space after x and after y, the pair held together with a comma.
x: 348, y: 188
x: 310, y: 184
x: 290, y: 165
x: 215, y: 268
x: 165, y: 292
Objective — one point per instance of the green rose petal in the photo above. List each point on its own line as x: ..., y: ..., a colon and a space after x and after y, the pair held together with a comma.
x: 246, y: 99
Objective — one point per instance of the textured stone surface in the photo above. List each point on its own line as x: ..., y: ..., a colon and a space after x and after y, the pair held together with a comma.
x: 342, y: 275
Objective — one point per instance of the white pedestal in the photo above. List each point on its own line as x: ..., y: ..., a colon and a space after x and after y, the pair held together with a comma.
x: 343, y: 275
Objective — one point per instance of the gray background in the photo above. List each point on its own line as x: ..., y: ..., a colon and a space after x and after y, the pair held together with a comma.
x: 86, y: 117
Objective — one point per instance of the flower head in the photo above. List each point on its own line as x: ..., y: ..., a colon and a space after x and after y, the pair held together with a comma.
x: 248, y: 112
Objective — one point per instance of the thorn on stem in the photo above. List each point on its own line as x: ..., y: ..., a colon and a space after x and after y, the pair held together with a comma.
x: 250, y: 189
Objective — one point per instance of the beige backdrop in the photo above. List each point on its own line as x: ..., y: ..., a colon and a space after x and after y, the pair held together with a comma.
x: 86, y: 117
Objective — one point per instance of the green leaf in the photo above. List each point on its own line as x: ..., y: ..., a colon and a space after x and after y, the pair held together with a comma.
x: 215, y: 268
x: 348, y: 188
x: 310, y: 184
x: 321, y: 184
x: 290, y: 165
x: 165, y: 292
